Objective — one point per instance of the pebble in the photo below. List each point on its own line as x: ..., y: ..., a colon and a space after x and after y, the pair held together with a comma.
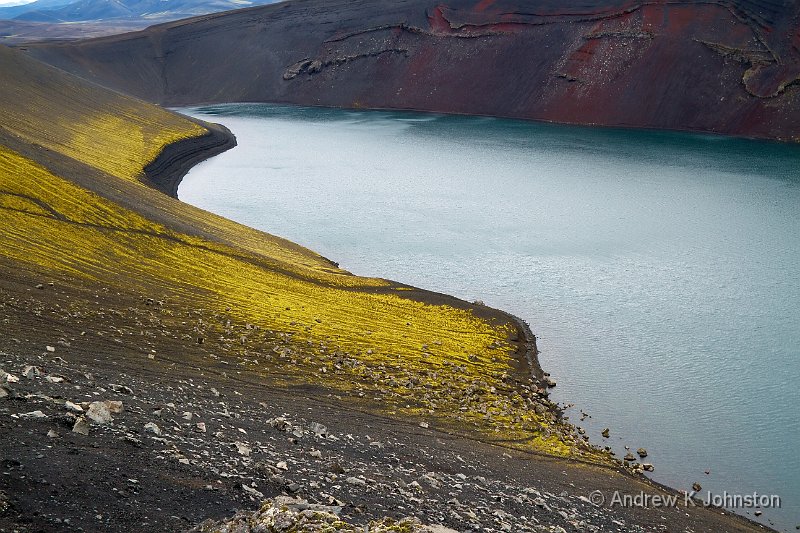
x: 243, y: 448
x: 73, y: 407
x: 33, y: 415
x: 153, y: 429
x: 318, y: 429
x: 99, y: 413
x: 81, y: 426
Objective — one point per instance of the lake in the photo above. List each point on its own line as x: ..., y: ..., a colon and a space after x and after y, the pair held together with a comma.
x: 660, y: 271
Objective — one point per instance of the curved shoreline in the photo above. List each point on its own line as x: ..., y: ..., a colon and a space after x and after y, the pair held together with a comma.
x: 166, y: 172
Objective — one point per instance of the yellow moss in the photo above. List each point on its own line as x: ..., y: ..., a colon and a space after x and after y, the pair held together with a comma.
x: 392, y: 340
x: 115, y: 133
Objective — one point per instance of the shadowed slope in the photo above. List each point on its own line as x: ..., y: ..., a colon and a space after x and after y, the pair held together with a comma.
x: 729, y: 66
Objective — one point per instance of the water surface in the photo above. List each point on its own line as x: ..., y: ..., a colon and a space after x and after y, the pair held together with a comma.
x: 659, y: 270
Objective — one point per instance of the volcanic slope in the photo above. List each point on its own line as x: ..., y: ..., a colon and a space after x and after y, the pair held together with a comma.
x: 728, y: 66
x: 110, y: 288
x: 75, y: 162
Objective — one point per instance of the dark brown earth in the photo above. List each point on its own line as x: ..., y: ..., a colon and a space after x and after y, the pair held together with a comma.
x: 724, y: 66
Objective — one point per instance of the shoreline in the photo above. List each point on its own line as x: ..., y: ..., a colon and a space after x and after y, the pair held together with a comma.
x: 167, y: 171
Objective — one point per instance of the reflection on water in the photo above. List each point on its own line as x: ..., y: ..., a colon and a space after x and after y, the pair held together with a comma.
x: 659, y: 270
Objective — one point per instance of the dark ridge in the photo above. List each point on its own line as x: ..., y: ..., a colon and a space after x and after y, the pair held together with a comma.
x: 725, y: 66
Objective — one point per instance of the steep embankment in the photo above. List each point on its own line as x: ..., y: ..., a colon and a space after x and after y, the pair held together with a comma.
x: 728, y: 66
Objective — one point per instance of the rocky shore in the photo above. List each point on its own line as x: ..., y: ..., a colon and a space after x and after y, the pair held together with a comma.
x: 101, y: 433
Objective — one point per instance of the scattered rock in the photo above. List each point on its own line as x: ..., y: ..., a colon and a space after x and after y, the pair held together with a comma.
x: 5, y: 377
x: 51, y: 349
x: 697, y: 487
x: 424, y: 425
x: 200, y: 427
x: 31, y: 372
x: 629, y: 457
x: 253, y: 492
x: 642, y: 452
x: 4, y: 393
x: 279, y: 423
x: 243, y: 448
x: 286, y: 514
x: 648, y: 467
x: 318, y: 429
x: 33, y: 415
x: 153, y: 429
x: 73, y: 407
x: 81, y: 426
x: 356, y: 481
x: 52, y: 434
x: 121, y: 389
x: 99, y: 413
x: 606, y: 433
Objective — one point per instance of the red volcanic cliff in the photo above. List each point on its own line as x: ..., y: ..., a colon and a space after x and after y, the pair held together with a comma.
x: 726, y: 66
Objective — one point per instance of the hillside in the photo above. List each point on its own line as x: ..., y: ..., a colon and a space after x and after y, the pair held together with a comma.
x: 160, y: 365
x: 728, y: 67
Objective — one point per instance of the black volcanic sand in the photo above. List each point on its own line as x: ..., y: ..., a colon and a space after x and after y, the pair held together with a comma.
x: 121, y: 477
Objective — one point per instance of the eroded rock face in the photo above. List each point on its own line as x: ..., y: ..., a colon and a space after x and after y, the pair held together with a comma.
x: 731, y: 66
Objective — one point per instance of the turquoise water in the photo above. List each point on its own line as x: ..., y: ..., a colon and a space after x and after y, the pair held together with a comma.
x: 659, y: 270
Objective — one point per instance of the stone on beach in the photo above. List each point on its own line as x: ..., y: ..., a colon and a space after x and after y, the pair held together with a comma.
x: 99, y: 413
